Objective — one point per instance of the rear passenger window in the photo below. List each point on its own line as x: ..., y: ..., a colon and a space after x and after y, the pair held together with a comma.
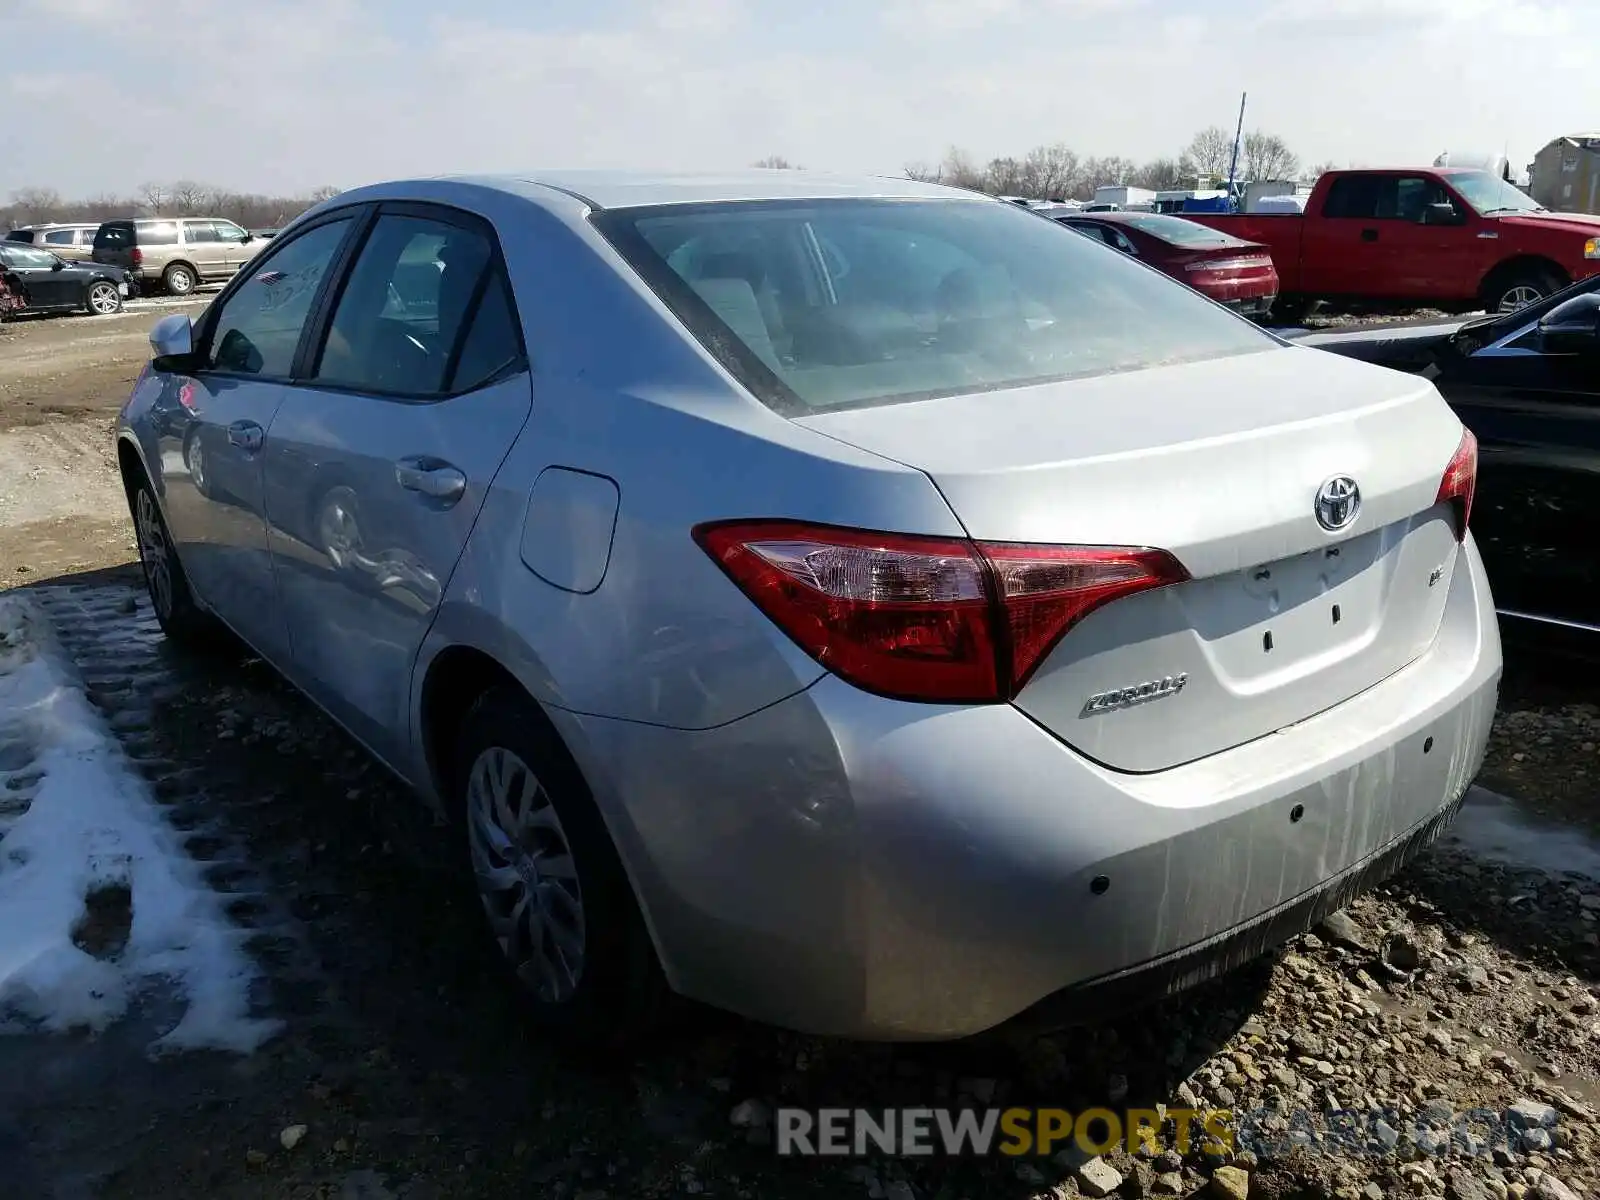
x: 157, y: 233
x: 1357, y: 196
x: 258, y: 327
x: 406, y: 307
x: 493, y: 342
x: 59, y: 237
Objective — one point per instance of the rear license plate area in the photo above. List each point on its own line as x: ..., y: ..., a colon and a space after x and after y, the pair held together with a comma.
x: 1295, y: 614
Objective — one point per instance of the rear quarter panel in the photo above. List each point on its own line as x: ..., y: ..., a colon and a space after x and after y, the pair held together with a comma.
x: 621, y: 392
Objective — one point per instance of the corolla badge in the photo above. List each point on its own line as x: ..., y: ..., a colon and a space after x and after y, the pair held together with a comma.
x: 1138, y: 693
x: 1338, y: 502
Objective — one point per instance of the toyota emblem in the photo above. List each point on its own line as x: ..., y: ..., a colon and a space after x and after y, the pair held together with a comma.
x: 1338, y: 502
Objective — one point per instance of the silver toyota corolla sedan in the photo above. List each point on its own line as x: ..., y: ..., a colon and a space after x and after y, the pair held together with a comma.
x: 858, y: 604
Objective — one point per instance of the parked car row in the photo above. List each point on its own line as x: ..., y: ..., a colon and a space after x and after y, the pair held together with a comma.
x: 1451, y: 239
x: 41, y: 282
x: 174, y: 255
x: 896, y: 615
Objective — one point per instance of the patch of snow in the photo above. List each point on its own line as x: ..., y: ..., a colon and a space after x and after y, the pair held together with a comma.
x: 75, y: 819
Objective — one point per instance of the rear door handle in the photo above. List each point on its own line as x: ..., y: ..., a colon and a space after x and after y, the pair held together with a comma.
x: 1369, y: 235
x: 433, y: 478
x: 246, y: 435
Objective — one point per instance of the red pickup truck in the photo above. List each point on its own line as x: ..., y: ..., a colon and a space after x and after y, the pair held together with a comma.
x: 1457, y: 240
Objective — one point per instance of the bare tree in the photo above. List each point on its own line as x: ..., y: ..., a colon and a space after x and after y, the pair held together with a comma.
x: 1162, y: 174
x: 1048, y: 172
x: 1105, y: 172
x: 1211, y: 152
x: 775, y: 162
x: 326, y: 192
x: 103, y: 207
x: 35, y: 204
x: 189, y: 197
x: 923, y: 173
x: 958, y: 170
x: 154, y: 196
x: 1003, y: 177
x: 1313, y: 173
x: 1267, y: 156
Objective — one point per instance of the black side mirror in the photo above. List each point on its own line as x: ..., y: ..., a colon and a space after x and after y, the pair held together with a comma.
x: 1443, y: 213
x: 57, y: 265
x: 1572, y: 327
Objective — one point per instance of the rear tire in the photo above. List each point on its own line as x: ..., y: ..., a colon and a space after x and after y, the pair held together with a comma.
x: 181, y: 618
x: 1522, y: 288
x: 179, y: 279
x: 560, y: 909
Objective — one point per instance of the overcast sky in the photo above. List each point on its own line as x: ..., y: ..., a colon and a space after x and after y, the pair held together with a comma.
x: 283, y: 95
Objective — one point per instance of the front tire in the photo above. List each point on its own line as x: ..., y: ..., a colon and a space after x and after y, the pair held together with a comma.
x: 181, y: 619
x: 559, y: 905
x: 178, y: 279
x: 103, y: 300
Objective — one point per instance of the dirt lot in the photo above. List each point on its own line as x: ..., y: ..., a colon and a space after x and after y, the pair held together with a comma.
x: 62, y: 380
x: 1469, y: 982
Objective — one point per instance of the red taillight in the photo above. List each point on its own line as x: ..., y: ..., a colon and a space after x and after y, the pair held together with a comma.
x: 1460, y: 481
x: 136, y: 256
x: 921, y: 618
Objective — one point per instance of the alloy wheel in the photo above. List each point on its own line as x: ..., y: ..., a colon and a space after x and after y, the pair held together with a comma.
x: 103, y: 299
x: 526, y: 875
x: 154, y: 553
x: 1517, y: 297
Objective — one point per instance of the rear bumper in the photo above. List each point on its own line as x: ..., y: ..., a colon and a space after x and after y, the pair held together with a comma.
x: 1182, y: 969
x: 1253, y: 306
x: 861, y: 867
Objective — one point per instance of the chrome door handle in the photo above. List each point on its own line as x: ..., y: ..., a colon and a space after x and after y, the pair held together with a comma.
x: 435, y: 479
x: 246, y: 435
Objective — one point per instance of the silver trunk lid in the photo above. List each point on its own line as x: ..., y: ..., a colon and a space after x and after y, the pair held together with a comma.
x: 1218, y: 463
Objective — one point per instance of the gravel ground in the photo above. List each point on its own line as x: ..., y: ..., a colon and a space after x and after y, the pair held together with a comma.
x: 1465, y: 984
x: 405, y: 1069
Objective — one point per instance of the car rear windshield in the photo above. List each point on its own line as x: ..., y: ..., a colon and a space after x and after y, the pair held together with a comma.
x: 1191, y: 235
x: 20, y: 235
x: 114, y: 235
x: 822, y: 304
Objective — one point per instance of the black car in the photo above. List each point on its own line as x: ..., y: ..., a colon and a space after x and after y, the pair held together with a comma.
x: 1527, y: 383
x: 51, y: 284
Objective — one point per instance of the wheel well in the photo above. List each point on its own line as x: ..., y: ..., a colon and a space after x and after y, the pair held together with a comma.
x: 456, y: 678
x: 129, y: 464
x: 1527, y: 264
x: 181, y: 262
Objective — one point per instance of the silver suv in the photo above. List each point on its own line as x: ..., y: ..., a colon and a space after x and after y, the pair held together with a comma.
x: 71, y: 241
x: 176, y: 253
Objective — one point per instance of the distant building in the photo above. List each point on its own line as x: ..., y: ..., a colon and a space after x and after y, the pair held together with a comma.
x: 1566, y: 174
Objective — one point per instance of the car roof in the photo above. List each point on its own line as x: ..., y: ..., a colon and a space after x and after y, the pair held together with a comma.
x: 625, y: 189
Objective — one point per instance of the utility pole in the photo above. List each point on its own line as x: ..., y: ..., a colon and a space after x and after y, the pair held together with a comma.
x: 1238, y: 136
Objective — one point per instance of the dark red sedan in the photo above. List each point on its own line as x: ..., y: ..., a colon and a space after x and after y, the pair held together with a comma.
x: 1230, y: 271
